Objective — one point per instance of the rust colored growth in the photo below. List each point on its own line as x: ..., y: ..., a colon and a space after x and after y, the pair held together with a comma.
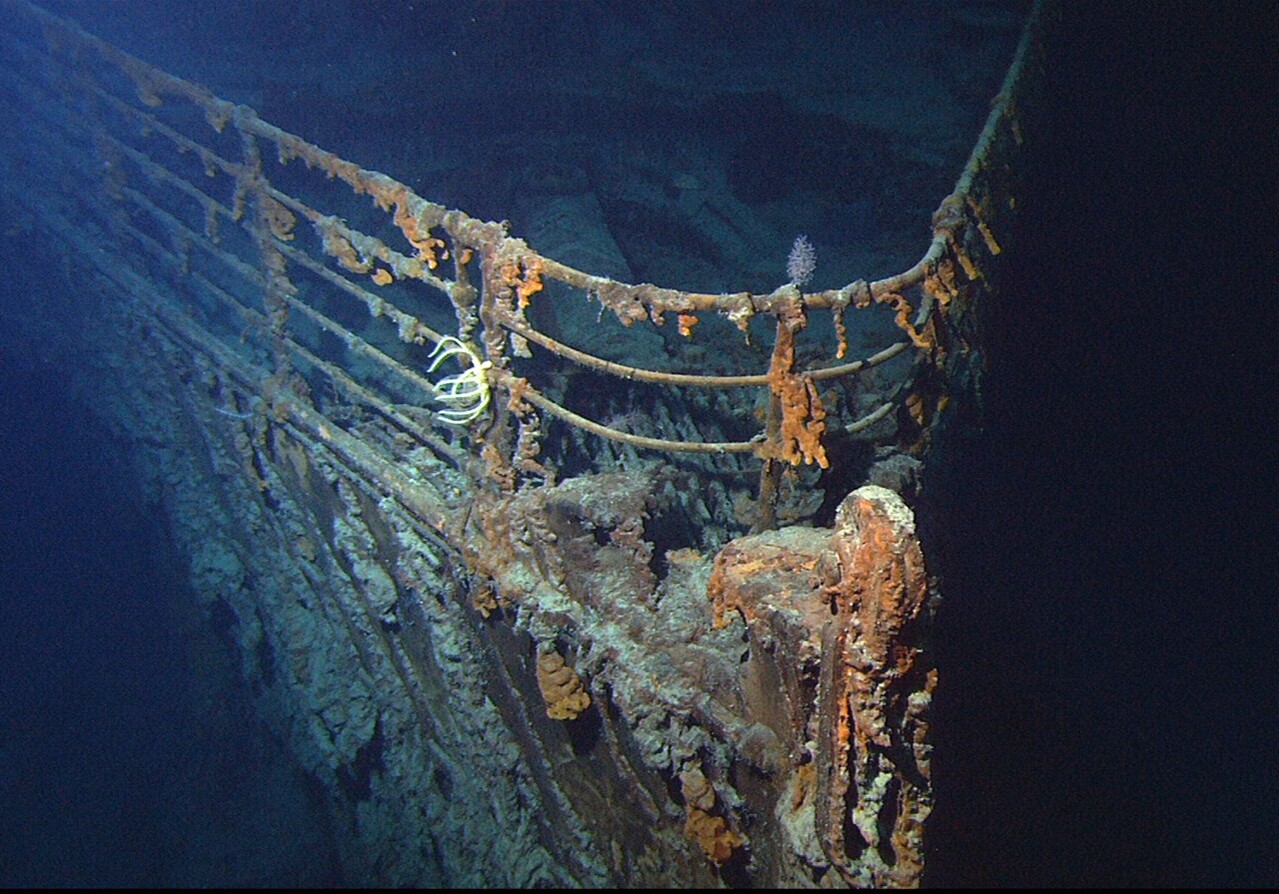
x: 940, y: 283
x: 713, y: 835
x: 484, y: 599
x: 875, y: 693
x: 841, y: 332
x: 686, y: 324
x: 917, y: 409
x: 803, y: 417
x: 949, y: 222
x: 523, y: 276
x: 759, y: 574
x: 498, y: 469
x: 278, y: 219
x: 902, y: 319
x: 836, y: 622
x: 430, y: 249
x: 804, y: 781
x: 981, y: 212
x: 883, y: 579
x: 289, y: 147
x: 562, y: 689
x: 495, y: 522
x: 382, y: 277
x: 336, y: 245
x: 711, y: 832
x: 776, y: 580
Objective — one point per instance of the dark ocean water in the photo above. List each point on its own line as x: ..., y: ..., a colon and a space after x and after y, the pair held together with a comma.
x: 1108, y: 709
x: 1108, y: 639
x: 128, y: 753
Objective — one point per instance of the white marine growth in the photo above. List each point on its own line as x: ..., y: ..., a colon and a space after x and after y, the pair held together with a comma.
x: 465, y: 395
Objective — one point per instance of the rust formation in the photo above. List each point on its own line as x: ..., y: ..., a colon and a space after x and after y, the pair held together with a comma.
x: 838, y: 623
x: 609, y: 649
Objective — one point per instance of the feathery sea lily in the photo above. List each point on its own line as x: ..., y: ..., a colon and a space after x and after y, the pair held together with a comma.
x: 466, y: 395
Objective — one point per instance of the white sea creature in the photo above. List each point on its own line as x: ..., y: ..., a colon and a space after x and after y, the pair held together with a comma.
x: 466, y: 395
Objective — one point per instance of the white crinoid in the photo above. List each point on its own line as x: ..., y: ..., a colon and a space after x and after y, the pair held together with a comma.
x: 466, y: 395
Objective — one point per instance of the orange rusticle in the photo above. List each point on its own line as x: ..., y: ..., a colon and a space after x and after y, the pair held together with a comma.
x: 841, y: 333
x: 803, y: 416
x: 531, y: 282
x: 940, y: 283
x: 884, y: 579
x: 686, y: 324
x: 562, y: 688
x: 430, y: 249
x: 336, y: 245
x: 382, y: 277
x: 903, y: 308
x: 712, y: 833
x: 980, y: 214
x: 484, y: 600
x: 523, y: 275
x: 279, y: 220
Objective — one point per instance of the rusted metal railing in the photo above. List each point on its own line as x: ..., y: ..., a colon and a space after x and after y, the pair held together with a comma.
x: 181, y: 164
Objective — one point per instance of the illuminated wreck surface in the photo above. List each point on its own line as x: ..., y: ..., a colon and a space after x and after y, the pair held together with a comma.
x: 540, y: 406
x: 539, y: 573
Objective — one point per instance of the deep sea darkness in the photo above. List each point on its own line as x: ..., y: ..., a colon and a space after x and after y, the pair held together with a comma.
x: 1107, y: 641
x: 1107, y: 713
x: 128, y: 755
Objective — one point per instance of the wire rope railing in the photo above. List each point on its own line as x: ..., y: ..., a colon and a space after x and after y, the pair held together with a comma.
x: 147, y: 152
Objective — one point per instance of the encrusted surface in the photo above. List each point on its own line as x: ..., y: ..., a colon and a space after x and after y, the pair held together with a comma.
x: 838, y: 667
x: 499, y: 672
